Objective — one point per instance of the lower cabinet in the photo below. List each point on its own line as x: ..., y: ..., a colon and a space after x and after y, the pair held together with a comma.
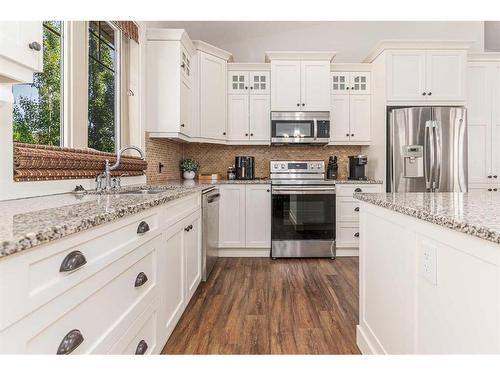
x: 245, y: 216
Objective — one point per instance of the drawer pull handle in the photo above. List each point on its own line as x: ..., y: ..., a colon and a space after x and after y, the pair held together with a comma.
x: 356, y: 209
x: 142, y: 347
x: 70, y: 342
x: 143, y: 227
x: 358, y: 190
x: 188, y: 228
x: 356, y: 234
x: 141, y: 279
x: 73, y: 261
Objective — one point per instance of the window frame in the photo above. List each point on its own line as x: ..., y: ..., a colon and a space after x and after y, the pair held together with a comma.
x: 117, y: 75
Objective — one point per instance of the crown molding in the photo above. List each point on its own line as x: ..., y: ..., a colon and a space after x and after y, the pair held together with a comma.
x: 300, y: 55
x: 212, y: 50
x: 177, y: 35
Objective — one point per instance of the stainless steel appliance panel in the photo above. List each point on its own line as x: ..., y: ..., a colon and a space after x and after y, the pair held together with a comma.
x: 210, y: 237
x: 300, y: 127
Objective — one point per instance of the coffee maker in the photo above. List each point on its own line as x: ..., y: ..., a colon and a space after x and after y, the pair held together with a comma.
x: 245, y: 167
x: 357, y: 167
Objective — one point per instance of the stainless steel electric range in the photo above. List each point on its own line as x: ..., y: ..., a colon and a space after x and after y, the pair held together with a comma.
x: 303, y: 210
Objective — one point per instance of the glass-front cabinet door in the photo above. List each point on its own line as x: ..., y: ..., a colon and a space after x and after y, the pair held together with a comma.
x: 238, y: 82
x: 259, y: 83
x: 339, y: 82
x: 360, y: 82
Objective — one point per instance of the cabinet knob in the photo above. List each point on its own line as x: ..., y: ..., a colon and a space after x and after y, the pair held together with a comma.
x: 352, y: 88
x: 142, y: 347
x: 140, y: 280
x: 490, y: 189
x: 356, y: 209
x: 430, y: 93
x: 347, y: 88
x: 224, y: 133
x: 495, y: 189
x: 183, y: 65
x: 182, y: 125
x: 143, y: 227
x: 495, y: 176
x: 73, y: 261
x: 303, y: 104
x: 358, y: 190
x: 347, y: 135
x: 356, y: 234
x: 352, y: 135
x: 298, y: 104
x: 246, y: 134
x: 70, y: 342
x: 251, y: 87
x: 268, y: 190
x: 490, y: 176
x: 251, y: 134
x: 35, y: 46
x: 246, y: 87
x: 188, y: 228
x: 424, y: 93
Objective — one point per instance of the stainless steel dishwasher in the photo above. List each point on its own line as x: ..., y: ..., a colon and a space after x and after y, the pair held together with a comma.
x: 210, y: 238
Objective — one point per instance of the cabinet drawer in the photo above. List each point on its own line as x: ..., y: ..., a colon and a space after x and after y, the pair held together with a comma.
x: 141, y: 338
x: 347, y: 209
x: 348, y: 190
x: 347, y: 235
x: 38, y: 277
x: 101, y: 318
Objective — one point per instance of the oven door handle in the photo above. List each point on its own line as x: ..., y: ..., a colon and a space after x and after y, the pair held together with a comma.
x: 281, y: 191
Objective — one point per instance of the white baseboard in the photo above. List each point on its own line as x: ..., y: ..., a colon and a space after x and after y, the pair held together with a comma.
x: 266, y: 253
x: 244, y: 253
x: 367, y: 342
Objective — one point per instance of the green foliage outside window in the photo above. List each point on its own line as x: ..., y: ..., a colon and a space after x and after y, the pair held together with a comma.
x: 37, y: 105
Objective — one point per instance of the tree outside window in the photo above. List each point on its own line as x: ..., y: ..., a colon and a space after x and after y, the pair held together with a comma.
x: 37, y: 112
x: 102, y: 112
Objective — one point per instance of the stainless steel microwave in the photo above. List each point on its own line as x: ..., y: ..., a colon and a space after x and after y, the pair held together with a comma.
x: 300, y: 127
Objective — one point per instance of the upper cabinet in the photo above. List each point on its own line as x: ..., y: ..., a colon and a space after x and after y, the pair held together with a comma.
x: 426, y: 75
x: 300, y: 80
x: 350, y: 112
x: 249, y: 104
x: 21, y: 50
x: 169, y: 83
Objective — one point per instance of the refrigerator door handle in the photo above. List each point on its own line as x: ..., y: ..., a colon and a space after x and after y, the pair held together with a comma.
x: 437, y: 161
x: 428, y: 155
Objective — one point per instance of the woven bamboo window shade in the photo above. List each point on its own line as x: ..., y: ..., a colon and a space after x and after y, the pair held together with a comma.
x: 128, y: 28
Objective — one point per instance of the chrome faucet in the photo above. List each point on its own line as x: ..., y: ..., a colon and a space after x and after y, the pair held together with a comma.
x: 104, y: 180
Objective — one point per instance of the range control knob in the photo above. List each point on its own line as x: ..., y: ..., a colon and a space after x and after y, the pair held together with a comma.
x: 283, y: 166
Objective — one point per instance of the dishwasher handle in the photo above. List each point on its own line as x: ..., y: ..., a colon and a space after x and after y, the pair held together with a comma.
x: 213, y: 198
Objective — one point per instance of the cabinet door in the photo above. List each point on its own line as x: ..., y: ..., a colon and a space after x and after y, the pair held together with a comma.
x: 186, y: 68
x: 339, y: 82
x: 238, y: 117
x: 406, y: 75
x: 259, y: 83
x: 360, y: 117
x: 315, y: 90
x: 260, y: 118
x: 258, y: 216
x: 339, y: 116
x: 15, y: 38
x: 495, y: 123
x: 192, y: 254
x: 237, y: 82
x: 360, y: 83
x: 445, y: 75
x: 171, y: 278
x: 213, y: 96
x: 186, y: 125
x: 285, y: 92
x: 479, y: 118
x: 232, y: 216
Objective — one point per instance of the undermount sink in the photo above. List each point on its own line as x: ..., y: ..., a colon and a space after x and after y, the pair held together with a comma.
x: 143, y: 191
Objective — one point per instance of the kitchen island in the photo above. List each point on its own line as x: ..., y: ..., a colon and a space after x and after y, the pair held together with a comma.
x: 429, y: 273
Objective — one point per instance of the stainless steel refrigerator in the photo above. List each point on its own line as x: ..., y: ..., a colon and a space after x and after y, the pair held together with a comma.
x: 427, y: 149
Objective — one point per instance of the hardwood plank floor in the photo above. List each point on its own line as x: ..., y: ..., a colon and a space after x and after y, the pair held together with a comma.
x: 261, y: 306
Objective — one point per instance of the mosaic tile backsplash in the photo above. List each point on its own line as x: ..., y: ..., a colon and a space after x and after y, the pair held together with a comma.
x: 217, y: 158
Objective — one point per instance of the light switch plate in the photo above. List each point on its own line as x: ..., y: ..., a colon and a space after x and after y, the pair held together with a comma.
x: 428, y: 263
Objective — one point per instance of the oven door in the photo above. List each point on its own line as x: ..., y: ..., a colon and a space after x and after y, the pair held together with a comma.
x: 303, y: 221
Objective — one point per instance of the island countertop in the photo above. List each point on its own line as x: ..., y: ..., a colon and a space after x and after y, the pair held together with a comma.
x: 476, y: 214
x: 29, y: 222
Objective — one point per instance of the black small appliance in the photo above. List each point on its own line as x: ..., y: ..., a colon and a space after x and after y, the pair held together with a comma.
x: 245, y: 167
x: 331, y: 171
x: 357, y: 167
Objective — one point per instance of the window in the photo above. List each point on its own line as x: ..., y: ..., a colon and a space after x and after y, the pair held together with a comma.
x: 103, y: 110
x: 37, y: 116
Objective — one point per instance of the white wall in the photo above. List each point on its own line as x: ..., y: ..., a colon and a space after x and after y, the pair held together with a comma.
x: 352, y: 40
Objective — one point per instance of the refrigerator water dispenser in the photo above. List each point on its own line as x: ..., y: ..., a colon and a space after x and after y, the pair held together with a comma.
x: 413, y: 161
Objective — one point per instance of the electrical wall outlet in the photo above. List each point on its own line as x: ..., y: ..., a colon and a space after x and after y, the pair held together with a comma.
x: 428, y: 263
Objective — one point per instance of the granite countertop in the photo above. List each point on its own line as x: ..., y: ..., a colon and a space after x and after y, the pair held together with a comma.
x: 475, y: 213
x: 356, y: 182
x: 25, y: 223
x: 268, y: 181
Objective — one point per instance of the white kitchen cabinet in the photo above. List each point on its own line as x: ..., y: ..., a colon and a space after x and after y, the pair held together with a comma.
x: 285, y: 90
x: 350, y: 111
x: 426, y: 75
x: 212, y: 96
x: 248, y: 116
x: 21, y: 50
x: 483, y: 126
x: 314, y: 86
x: 245, y: 216
x: 232, y: 216
x: 258, y: 216
x: 192, y: 253
x: 169, y: 80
